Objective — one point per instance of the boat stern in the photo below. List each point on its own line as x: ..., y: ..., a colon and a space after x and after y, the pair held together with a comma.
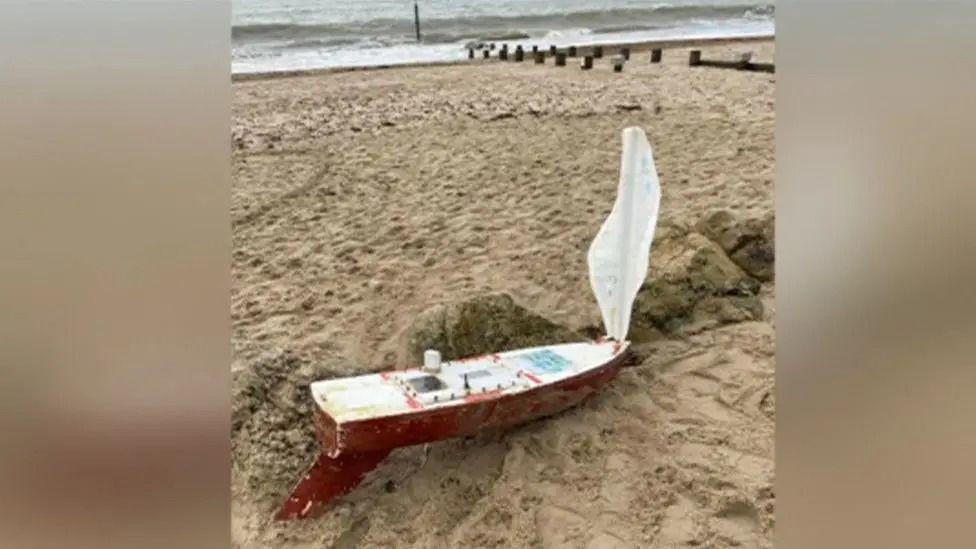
x: 327, y: 430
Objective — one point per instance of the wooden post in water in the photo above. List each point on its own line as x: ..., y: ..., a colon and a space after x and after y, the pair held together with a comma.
x: 540, y: 58
x: 597, y: 52
x: 503, y: 52
x: 519, y: 54
x: 552, y: 49
x: 571, y: 51
x: 694, y: 58
x: 656, y: 55
x: 560, y: 59
x: 625, y: 53
x: 486, y: 53
x: 470, y: 53
x: 586, y: 63
x: 416, y: 20
x: 535, y: 49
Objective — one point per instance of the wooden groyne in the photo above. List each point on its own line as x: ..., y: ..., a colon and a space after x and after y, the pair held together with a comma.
x: 620, y: 55
x: 743, y: 63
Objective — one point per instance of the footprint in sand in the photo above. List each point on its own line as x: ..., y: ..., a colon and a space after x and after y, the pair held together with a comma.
x: 678, y: 524
x: 559, y: 527
x: 737, y: 521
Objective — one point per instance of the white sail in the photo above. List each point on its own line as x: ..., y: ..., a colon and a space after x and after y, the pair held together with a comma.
x: 620, y: 253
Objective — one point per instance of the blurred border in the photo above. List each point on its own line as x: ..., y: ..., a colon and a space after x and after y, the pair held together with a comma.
x: 875, y: 263
x: 115, y: 254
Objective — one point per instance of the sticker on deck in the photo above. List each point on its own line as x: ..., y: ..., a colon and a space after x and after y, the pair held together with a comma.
x: 544, y: 362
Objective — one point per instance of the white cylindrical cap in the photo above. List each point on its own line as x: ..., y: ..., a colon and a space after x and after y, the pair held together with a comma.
x: 432, y: 360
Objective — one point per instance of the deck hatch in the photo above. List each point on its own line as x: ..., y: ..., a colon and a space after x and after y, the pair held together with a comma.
x: 426, y: 384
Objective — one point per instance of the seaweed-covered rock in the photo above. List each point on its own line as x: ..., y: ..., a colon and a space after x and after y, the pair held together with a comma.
x: 748, y: 242
x: 481, y: 325
x: 692, y: 280
x: 722, y: 227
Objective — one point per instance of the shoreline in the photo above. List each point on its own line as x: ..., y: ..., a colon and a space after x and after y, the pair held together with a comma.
x: 638, y: 46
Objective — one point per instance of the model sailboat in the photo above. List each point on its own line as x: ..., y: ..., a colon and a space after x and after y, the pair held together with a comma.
x: 360, y: 420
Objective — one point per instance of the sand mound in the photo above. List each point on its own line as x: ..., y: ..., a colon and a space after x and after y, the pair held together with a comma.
x: 483, y: 324
x: 693, y: 282
x: 272, y: 435
x: 748, y: 242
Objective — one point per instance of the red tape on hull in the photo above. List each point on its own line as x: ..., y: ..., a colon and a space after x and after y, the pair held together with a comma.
x: 328, y: 479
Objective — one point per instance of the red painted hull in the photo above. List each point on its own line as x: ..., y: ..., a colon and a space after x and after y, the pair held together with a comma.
x: 328, y: 479
x: 482, y: 411
x: 352, y: 449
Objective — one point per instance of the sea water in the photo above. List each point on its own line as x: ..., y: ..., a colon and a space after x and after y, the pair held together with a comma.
x: 276, y: 35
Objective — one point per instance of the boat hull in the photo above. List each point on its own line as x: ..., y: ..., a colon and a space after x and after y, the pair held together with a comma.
x: 352, y: 448
x: 479, y: 412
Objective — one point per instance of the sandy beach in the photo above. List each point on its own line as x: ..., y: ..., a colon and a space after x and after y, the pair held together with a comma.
x: 362, y: 198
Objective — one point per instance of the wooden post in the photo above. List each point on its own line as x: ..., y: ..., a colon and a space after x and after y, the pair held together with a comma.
x: 597, y: 52
x: 535, y: 49
x: 552, y: 49
x: 519, y: 54
x: 416, y: 20
x: 503, y: 52
x: 618, y: 63
x: 470, y: 53
x: 625, y: 52
x: 486, y: 53
x: 694, y: 58
x: 586, y: 63
x: 540, y: 58
x: 742, y: 64
x: 560, y: 59
x: 656, y: 55
x: 491, y: 46
x: 571, y: 51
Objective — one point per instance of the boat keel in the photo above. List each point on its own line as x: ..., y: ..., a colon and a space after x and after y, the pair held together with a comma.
x: 328, y: 479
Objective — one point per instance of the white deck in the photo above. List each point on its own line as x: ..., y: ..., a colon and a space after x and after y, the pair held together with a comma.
x: 397, y: 392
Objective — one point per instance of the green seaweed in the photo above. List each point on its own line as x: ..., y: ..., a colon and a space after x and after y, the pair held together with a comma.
x: 481, y: 325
